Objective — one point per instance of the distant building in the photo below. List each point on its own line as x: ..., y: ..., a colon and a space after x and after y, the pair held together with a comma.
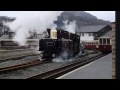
x: 32, y: 42
x: 4, y: 29
x: 1, y: 29
x: 91, y: 33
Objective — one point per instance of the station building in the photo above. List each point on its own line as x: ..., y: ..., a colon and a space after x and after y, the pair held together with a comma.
x: 91, y: 33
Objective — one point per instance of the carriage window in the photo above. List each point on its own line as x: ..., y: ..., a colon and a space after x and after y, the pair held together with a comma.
x: 100, y: 41
x: 108, y: 41
x: 104, y: 41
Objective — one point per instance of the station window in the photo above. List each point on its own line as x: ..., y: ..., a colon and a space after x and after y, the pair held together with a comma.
x: 92, y: 34
x: 108, y: 41
x: 104, y: 41
x: 89, y: 34
x: 82, y: 34
x: 100, y: 41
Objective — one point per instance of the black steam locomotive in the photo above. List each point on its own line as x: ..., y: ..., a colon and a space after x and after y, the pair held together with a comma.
x: 59, y: 42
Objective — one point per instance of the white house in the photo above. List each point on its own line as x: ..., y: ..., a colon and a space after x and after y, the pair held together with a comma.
x: 86, y: 36
x: 91, y: 33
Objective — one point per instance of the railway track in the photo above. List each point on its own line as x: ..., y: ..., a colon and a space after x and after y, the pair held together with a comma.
x: 22, y: 66
x: 14, y: 54
x: 52, y: 74
x: 16, y: 58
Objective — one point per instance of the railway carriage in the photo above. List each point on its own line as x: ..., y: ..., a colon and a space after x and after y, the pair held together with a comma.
x: 91, y: 44
x: 105, y: 44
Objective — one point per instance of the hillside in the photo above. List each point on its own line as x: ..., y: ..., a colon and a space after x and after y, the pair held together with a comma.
x: 82, y: 18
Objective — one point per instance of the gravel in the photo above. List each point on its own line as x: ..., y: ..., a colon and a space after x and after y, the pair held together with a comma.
x: 20, y: 61
x: 35, y: 70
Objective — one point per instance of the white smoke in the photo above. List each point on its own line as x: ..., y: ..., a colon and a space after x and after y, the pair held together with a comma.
x: 37, y: 21
x: 62, y: 58
x: 70, y: 27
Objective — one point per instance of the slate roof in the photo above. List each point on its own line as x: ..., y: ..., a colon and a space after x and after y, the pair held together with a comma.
x: 107, y: 35
x: 95, y: 28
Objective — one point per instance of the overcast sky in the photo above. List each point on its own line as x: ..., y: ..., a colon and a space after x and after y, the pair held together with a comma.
x: 105, y: 15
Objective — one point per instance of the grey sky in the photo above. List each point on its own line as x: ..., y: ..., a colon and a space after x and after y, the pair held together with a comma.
x: 105, y: 15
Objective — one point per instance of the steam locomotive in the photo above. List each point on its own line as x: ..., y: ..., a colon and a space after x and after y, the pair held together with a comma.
x: 58, y: 42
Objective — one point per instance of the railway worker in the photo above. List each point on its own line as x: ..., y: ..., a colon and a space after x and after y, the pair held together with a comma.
x: 83, y: 47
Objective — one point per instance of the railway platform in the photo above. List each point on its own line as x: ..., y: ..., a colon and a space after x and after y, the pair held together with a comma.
x: 99, y: 69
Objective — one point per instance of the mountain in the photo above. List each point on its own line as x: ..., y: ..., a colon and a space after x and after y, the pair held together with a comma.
x: 82, y: 19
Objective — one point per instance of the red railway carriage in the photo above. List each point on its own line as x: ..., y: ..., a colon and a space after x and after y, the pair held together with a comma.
x: 91, y: 44
x: 105, y: 44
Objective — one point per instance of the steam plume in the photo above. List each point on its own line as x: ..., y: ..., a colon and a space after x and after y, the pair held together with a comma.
x: 37, y: 21
x: 70, y: 27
